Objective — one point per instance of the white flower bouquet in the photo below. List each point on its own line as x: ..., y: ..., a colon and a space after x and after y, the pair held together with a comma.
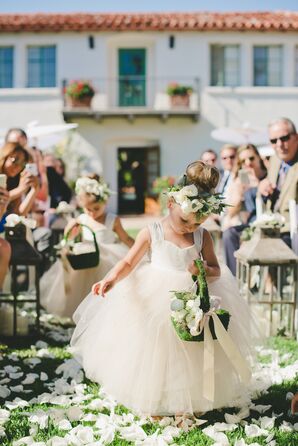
x: 191, y: 310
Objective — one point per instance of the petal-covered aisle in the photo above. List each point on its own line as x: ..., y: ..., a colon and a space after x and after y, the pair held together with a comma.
x: 47, y: 401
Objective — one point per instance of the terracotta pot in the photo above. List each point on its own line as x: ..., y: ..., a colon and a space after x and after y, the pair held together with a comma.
x: 178, y: 100
x: 79, y: 102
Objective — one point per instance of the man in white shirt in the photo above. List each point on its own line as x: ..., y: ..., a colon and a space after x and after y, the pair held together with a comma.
x: 228, y: 154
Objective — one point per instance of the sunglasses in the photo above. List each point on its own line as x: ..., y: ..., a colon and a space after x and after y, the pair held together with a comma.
x: 250, y: 158
x: 230, y: 157
x: 284, y: 138
x: 17, y: 161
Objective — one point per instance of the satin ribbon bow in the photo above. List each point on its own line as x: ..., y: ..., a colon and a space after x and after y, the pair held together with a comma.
x: 239, y: 363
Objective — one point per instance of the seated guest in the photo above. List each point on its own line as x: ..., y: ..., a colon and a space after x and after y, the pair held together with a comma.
x: 58, y: 188
x: 228, y: 154
x: 247, y: 174
x: 209, y: 157
x: 280, y: 186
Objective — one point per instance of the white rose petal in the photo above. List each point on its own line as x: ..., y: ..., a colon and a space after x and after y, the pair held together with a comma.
x: 64, y: 425
x: 74, y: 413
x: 4, y: 392
x: 43, y: 376
x: 253, y: 430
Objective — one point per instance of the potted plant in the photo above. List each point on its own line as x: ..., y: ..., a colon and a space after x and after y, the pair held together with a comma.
x: 160, y: 186
x: 179, y: 94
x: 79, y: 93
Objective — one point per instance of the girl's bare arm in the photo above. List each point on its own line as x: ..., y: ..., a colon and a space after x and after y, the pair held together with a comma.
x: 125, y: 266
x: 122, y: 234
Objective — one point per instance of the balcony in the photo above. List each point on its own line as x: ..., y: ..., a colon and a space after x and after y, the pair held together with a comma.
x: 133, y: 97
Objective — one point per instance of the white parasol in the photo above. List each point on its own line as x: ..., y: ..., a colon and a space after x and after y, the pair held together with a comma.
x: 241, y: 135
x: 43, y: 136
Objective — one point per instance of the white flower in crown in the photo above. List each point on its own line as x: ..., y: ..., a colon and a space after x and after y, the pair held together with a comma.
x: 196, y: 205
x: 186, y: 206
x: 190, y: 191
x: 92, y: 186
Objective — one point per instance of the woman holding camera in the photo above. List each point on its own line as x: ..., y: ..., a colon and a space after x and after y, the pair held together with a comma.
x: 20, y: 181
x: 248, y: 172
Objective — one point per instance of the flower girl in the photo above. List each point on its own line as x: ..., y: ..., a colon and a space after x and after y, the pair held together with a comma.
x: 127, y: 342
x: 63, y: 288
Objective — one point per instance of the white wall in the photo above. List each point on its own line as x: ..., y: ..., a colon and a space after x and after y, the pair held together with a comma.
x: 180, y: 140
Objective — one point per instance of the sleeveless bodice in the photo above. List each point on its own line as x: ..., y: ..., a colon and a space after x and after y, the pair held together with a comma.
x: 104, y: 232
x: 166, y: 255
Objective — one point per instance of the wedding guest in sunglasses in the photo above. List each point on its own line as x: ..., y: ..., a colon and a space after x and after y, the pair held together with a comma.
x: 247, y: 173
x: 228, y: 154
x: 209, y: 157
x: 279, y: 186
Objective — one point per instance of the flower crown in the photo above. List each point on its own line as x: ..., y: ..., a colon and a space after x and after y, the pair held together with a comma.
x: 91, y: 186
x: 193, y: 200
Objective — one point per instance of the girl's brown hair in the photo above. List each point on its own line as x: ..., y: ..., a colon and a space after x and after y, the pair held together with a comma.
x: 205, y: 177
x: 8, y: 149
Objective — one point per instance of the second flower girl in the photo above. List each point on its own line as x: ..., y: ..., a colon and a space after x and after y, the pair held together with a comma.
x: 63, y: 288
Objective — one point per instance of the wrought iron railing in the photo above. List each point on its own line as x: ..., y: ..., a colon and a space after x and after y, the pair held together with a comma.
x: 139, y: 92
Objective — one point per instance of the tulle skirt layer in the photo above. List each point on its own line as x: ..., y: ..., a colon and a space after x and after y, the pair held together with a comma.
x: 62, y: 288
x: 127, y: 343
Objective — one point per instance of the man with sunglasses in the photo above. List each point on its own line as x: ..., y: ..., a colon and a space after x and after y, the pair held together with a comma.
x: 228, y: 154
x: 279, y: 186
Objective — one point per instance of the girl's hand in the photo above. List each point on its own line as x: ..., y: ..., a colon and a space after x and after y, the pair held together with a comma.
x: 33, y: 182
x: 102, y: 287
x: 72, y: 226
x: 25, y: 181
x: 193, y: 269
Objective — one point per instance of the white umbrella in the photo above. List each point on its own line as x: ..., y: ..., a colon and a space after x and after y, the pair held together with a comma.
x: 45, y: 136
x: 241, y: 135
x: 266, y: 151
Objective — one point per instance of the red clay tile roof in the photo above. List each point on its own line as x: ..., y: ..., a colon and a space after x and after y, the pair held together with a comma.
x: 202, y: 21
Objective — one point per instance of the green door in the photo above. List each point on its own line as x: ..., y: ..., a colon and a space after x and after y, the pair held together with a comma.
x: 132, y: 77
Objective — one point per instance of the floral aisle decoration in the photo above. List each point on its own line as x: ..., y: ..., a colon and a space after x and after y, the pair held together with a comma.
x: 179, y: 94
x: 275, y: 221
x: 198, y: 317
x: 79, y: 93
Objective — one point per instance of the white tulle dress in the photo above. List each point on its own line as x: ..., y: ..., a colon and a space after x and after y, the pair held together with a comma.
x: 127, y: 343
x: 62, y: 288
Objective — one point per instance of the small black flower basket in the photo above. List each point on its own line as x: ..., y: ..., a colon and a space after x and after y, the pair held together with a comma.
x: 202, y: 294
x: 17, y: 232
x: 82, y: 260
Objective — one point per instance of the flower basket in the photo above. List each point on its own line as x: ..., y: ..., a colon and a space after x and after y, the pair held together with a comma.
x: 17, y: 232
x: 194, y: 309
x: 81, y: 260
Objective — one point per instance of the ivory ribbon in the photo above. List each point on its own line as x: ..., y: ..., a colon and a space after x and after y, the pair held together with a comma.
x: 240, y: 364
